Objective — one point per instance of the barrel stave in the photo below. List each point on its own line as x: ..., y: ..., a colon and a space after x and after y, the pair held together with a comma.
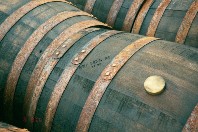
x: 3, y: 16
x: 105, y: 8
x: 192, y: 37
x: 79, y: 3
x: 122, y: 14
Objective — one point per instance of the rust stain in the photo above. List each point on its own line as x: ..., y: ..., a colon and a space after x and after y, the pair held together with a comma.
x: 192, y: 123
x: 131, y: 14
x: 18, y: 14
x: 68, y: 73
x: 141, y: 15
x: 89, y: 5
x: 186, y: 23
x: 26, y: 51
x: 115, y: 8
x: 157, y: 17
x: 57, y: 54
x: 40, y: 78
x: 104, y: 80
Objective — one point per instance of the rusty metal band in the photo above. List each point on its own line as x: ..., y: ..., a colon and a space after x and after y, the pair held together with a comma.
x: 89, y: 5
x: 186, y: 23
x: 60, y: 51
x: 115, y: 8
x: 157, y: 17
x: 18, y: 14
x: 141, y: 15
x: 26, y: 51
x: 33, y: 90
x: 104, y: 80
x: 192, y: 123
x: 131, y: 14
x: 67, y: 75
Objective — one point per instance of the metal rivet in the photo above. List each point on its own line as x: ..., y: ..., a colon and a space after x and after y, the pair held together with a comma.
x: 57, y: 53
x: 83, y: 51
x: 114, y: 65
x: 76, y: 59
x: 107, y: 74
x: 64, y: 46
x: 154, y: 85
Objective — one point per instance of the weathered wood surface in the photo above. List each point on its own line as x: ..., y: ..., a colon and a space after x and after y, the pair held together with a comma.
x: 125, y: 106
x: 168, y: 25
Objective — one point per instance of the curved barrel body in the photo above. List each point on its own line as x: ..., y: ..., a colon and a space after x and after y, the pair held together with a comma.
x: 174, y: 21
x: 62, y: 70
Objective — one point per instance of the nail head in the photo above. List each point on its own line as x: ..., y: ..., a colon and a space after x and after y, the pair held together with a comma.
x: 76, y: 59
x: 83, y: 51
x: 107, y: 73
x: 64, y: 46
x: 57, y: 53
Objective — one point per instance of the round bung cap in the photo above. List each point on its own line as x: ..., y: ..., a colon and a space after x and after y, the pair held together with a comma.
x: 154, y: 85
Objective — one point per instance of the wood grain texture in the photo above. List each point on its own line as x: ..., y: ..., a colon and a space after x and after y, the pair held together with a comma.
x: 168, y: 25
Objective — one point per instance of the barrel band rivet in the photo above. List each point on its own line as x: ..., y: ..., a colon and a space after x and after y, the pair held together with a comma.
x: 114, y: 65
x: 192, y: 123
x: 18, y: 14
x: 46, y: 64
x: 68, y: 73
x: 115, y: 8
x: 103, y: 81
x: 141, y: 15
x: 157, y: 17
x: 76, y: 59
x: 57, y: 53
x: 131, y: 14
x: 66, y: 44
x: 83, y: 51
x: 26, y: 51
x: 186, y: 23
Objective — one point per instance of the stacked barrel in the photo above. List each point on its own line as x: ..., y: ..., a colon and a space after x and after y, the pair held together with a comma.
x: 62, y: 70
x: 172, y: 20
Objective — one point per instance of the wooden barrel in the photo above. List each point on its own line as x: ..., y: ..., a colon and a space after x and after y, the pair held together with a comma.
x: 174, y: 21
x: 76, y: 74
x: 9, y: 128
